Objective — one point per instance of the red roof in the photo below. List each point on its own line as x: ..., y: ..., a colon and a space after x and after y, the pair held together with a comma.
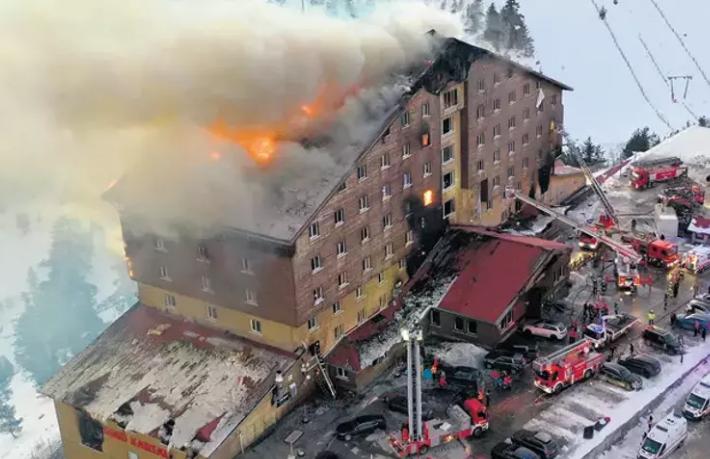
x: 701, y: 222
x: 493, y: 273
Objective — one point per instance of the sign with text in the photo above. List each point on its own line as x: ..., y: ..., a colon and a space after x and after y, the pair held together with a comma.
x: 121, y: 435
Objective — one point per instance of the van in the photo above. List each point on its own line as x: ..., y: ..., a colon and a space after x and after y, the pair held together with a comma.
x: 661, y: 339
x: 665, y: 437
x: 697, y: 404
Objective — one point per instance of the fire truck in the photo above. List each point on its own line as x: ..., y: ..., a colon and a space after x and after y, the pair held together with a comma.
x: 657, y: 252
x: 564, y: 367
x: 646, y: 173
x: 465, y: 421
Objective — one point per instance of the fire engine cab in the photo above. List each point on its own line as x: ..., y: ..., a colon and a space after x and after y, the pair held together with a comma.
x: 646, y: 173
x: 469, y: 420
x: 657, y: 252
x: 564, y: 367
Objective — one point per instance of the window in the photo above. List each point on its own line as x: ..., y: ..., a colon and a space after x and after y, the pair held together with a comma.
x: 206, y: 284
x: 164, y: 273
x: 512, y: 97
x: 256, y: 326
x: 449, y: 208
x: 380, y: 278
x: 526, y: 114
x: 526, y: 162
x: 451, y: 98
x: 387, y: 221
x: 480, y: 111
x: 159, y: 244
x: 343, y: 279
x: 211, y: 313
x: 446, y: 126
x: 385, y: 161
x: 250, y: 297
x: 407, y: 179
x: 447, y: 154
x: 511, y: 122
x: 496, y: 78
x: 364, y: 203
x: 481, y: 139
x: 448, y: 180
x: 409, y: 237
x: 526, y: 139
x: 361, y: 316
x: 496, y: 131
x: 427, y: 168
x: 338, y: 331
x: 496, y: 104
x: 458, y: 324
x: 339, y: 217
x: 314, y: 230
x: 554, y: 99
x: 202, y: 254
x: 312, y: 324
x: 318, y: 295
x: 538, y: 84
x: 511, y: 147
x: 402, y: 263
x: 539, y: 130
x: 388, y: 250
x: 480, y: 165
x: 386, y: 191
x: 341, y: 373
x: 496, y: 156
x: 404, y: 119
x: 526, y: 89
x: 426, y: 141
x: 341, y: 248
x: 336, y: 307
x: 364, y: 233
x: 511, y: 171
x: 316, y: 263
x: 506, y: 320
x: 359, y: 292
x: 169, y: 301
x: 342, y: 186
x: 362, y: 172
x: 366, y: 264
x: 425, y: 110
x: 406, y: 150
x: 435, y: 318
x: 246, y: 266
x: 472, y: 327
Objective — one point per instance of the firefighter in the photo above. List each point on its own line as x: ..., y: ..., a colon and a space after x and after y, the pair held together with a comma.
x: 676, y: 287
x: 594, y: 286
x: 616, y: 308
x: 673, y: 319
x: 665, y: 301
x: 507, y: 381
x: 651, y: 317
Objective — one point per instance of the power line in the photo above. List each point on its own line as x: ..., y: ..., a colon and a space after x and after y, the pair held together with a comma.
x: 682, y: 43
x: 602, y: 16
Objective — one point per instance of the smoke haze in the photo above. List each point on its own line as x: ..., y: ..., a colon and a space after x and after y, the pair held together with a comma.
x: 91, y: 87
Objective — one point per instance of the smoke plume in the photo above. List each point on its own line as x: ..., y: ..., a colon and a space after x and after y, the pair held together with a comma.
x: 95, y: 90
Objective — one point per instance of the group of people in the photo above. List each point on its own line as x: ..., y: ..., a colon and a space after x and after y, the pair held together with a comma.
x: 501, y: 380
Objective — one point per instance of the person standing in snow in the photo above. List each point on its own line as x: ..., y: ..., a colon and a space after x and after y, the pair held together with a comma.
x: 650, y: 422
x: 631, y: 349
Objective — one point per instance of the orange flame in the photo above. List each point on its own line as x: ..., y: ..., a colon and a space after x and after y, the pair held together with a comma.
x: 260, y: 145
x: 428, y: 197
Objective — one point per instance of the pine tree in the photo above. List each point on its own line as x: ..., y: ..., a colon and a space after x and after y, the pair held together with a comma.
x: 641, y: 140
x: 703, y: 121
x: 9, y: 423
x: 588, y: 151
x: 474, y: 17
x: 59, y: 319
x: 515, y: 32
x: 494, y: 28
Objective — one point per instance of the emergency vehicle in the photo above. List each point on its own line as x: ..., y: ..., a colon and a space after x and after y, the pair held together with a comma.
x: 469, y: 420
x: 657, y: 252
x: 646, y: 173
x: 587, y: 242
x: 697, y: 405
x: 665, y: 437
x: 627, y: 275
x: 697, y: 260
x: 566, y: 366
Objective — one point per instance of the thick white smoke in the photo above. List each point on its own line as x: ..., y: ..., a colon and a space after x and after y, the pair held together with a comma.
x: 90, y: 87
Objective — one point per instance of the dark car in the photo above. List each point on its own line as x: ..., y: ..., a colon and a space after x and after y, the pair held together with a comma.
x: 542, y: 443
x: 529, y: 353
x: 697, y: 305
x: 661, y: 339
x: 463, y: 378
x: 504, y: 361
x: 361, y: 425
x: 398, y: 403
x: 620, y: 376
x: 642, y: 364
x: 507, y: 450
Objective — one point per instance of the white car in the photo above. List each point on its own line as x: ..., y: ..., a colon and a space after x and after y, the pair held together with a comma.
x: 546, y: 330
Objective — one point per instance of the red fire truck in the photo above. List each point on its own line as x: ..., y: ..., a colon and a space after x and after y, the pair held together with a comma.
x: 646, y: 173
x: 657, y: 252
x: 566, y: 366
x: 469, y: 420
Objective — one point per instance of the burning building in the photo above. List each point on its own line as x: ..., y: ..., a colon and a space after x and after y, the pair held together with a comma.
x: 292, y: 268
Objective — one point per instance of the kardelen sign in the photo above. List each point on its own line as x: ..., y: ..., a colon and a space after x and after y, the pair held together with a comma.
x: 121, y: 435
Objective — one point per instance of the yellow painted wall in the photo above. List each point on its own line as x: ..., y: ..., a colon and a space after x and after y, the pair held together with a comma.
x: 563, y: 186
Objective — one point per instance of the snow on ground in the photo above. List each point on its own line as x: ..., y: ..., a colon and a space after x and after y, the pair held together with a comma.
x: 537, y: 226
x: 459, y: 354
x: 582, y: 404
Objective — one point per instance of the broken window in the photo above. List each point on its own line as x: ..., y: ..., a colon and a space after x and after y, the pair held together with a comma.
x: 448, y: 180
x: 451, y: 98
x: 446, y: 126
x: 91, y: 432
x: 425, y: 139
x: 484, y: 193
x: 449, y: 208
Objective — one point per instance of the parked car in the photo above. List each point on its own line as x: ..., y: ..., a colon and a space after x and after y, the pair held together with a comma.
x: 665, y: 437
x: 687, y: 321
x: 546, y: 330
x: 398, y: 403
x: 361, y: 425
x: 542, y: 443
x: 703, y: 297
x: 620, y: 376
x: 661, y: 339
x: 697, y: 305
x: 529, y: 353
x: 697, y: 405
x: 463, y: 378
x: 642, y: 364
x: 503, y: 361
x: 509, y: 450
